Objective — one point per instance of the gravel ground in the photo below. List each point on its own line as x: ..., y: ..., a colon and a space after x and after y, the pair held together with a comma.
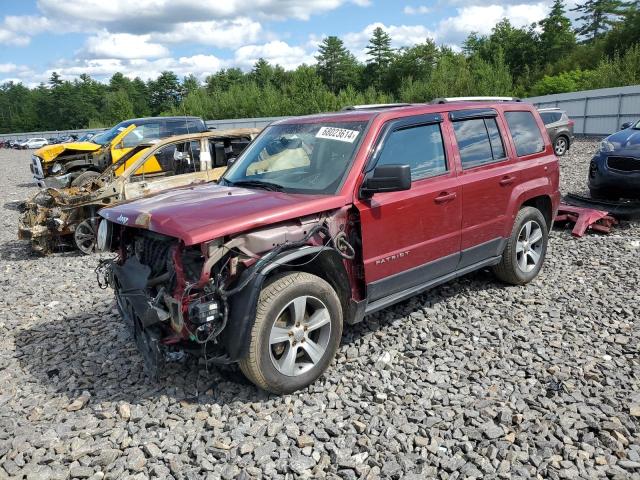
x: 473, y: 379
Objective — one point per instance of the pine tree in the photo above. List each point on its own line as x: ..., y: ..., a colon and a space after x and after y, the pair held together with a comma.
x: 336, y: 65
x: 597, y: 17
x: 380, y: 55
x: 557, y: 37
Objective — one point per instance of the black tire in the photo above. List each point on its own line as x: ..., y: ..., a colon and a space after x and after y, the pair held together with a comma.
x: 509, y: 270
x: 84, y: 178
x: 259, y: 364
x: 561, y: 145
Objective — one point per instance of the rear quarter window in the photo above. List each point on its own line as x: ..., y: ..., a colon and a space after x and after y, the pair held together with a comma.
x: 525, y: 133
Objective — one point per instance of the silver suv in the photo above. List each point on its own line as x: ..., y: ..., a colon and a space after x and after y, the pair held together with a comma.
x: 560, y: 129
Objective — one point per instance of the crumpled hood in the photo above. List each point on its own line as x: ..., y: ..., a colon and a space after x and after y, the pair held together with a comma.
x: 205, y: 212
x: 626, y: 141
x: 48, y: 153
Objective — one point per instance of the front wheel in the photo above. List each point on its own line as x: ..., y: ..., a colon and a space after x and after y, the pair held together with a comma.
x: 296, y: 333
x: 526, y: 248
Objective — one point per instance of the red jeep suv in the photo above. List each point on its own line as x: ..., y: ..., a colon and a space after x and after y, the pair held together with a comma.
x: 324, y: 219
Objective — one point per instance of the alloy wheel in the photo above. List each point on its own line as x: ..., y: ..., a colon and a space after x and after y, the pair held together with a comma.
x: 85, y: 235
x: 529, y: 246
x: 561, y: 146
x: 300, y: 335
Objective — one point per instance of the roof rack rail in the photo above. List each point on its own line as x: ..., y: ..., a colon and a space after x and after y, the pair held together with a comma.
x: 374, y: 106
x: 474, y: 99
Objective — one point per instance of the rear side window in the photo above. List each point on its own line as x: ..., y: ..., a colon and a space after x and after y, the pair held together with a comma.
x: 479, y: 141
x: 550, y: 117
x: 525, y: 132
x: 420, y: 147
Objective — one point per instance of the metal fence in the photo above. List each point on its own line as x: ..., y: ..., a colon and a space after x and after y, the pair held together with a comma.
x: 596, y: 112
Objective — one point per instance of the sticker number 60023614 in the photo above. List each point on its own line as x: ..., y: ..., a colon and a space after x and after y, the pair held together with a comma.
x: 341, y: 134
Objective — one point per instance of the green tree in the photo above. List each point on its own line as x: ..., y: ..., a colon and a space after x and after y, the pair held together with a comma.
x: 337, y: 66
x: 117, y: 107
x: 597, y: 17
x: 557, y: 38
x: 380, y: 56
x: 164, y: 92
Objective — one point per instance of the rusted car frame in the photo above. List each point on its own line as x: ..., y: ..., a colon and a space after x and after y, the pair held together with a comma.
x: 67, y: 217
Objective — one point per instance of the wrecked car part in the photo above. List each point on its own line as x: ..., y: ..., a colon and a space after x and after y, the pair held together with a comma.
x: 622, y: 209
x: 585, y: 219
x: 52, y: 216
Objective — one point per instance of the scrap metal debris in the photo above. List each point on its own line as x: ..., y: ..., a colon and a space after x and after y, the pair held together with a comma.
x: 585, y: 219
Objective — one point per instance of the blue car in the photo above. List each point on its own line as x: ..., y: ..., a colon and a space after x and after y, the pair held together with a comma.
x: 615, y: 169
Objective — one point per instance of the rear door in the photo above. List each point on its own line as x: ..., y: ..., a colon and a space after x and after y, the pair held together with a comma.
x: 411, y: 237
x: 487, y: 181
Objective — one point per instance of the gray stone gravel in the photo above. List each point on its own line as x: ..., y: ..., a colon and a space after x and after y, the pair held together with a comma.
x: 471, y: 380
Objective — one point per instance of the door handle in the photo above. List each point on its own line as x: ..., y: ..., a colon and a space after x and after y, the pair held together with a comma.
x: 445, y: 197
x: 507, y: 180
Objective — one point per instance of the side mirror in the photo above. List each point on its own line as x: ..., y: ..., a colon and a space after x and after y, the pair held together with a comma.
x: 386, y: 178
x: 626, y: 125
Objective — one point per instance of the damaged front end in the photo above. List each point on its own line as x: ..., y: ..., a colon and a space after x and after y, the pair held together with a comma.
x: 194, y: 298
x: 56, y: 219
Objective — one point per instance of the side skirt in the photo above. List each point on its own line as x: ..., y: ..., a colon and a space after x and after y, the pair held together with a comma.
x: 410, y: 292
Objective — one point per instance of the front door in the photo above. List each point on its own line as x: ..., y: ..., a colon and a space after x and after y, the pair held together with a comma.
x: 412, y: 237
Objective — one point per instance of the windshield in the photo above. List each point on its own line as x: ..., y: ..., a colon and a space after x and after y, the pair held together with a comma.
x: 299, y: 158
x: 106, y: 137
x: 637, y: 125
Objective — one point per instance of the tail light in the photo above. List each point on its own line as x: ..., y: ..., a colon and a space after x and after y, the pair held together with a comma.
x: 571, y: 123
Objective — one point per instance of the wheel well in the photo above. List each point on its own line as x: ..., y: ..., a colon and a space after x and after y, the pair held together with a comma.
x: 328, y: 266
x: 542, y: 203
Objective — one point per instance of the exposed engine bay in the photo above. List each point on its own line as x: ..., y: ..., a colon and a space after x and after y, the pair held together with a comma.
x: 177, y: 297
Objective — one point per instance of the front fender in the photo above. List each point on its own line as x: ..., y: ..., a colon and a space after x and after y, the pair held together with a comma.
x: 242, y: 306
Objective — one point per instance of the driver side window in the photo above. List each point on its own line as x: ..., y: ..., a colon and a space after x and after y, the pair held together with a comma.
x: 420, y: 147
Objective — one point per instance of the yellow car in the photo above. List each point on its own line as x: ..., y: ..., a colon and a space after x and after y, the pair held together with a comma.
x: 78, y: 163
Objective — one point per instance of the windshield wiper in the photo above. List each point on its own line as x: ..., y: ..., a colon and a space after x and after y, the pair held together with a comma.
x: 274, y: 187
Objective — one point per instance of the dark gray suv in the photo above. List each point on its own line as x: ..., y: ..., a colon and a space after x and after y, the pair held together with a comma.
x: 559, y: 127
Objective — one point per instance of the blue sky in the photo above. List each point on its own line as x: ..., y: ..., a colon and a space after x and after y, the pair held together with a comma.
x: 144, y: 37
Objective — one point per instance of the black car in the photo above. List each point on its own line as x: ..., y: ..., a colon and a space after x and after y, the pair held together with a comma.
x: 614, y: 171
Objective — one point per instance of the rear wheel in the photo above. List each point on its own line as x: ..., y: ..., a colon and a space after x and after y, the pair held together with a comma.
x: 560, y: 146
x: 296, y: 333
x: 524, y: 254
x: 84, y: 178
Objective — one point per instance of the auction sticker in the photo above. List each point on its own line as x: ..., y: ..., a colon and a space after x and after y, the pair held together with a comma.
x: 341, y: 134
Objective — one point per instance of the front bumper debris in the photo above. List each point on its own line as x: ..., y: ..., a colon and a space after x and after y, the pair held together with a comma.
x: 584, y: 219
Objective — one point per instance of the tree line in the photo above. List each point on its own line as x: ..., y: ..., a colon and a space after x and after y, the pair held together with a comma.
x: 552, y: 56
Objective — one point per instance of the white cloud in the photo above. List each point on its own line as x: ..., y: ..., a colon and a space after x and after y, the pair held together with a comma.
x: 275, y: 52
x: 17, y: 30
x: 482, y: 19
x: 222, y: 34
x: 158, y: 12
x: 102, y: 69
x: 122, y: 45
x: 8, y: 67
x: 419, y: 10
x: 401, y: 36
